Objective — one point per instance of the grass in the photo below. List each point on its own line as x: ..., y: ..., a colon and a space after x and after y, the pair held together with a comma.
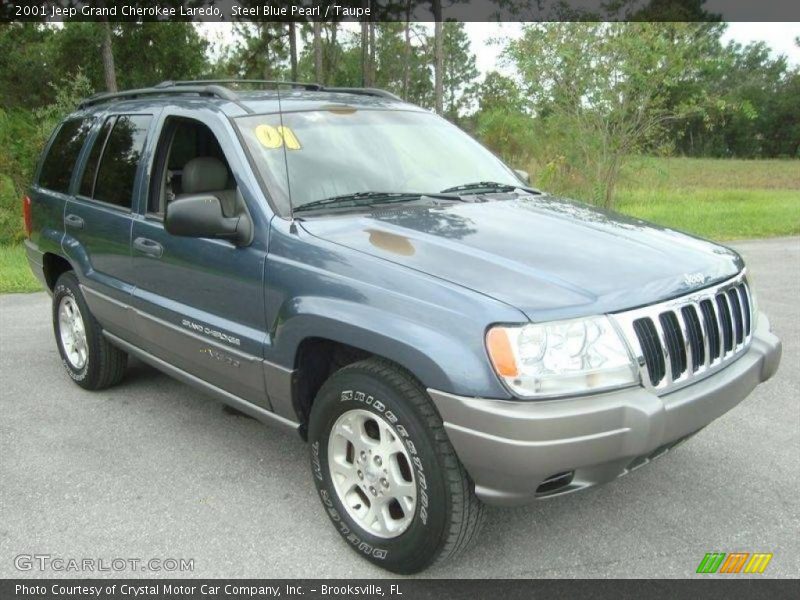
x: 15, y: 275
x: 712, y: 198
x: 679, y: 172
x: 717, y: 213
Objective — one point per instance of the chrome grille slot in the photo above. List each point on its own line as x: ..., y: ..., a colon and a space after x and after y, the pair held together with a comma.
x: 736, y: 310
x: 683, y: 340
x: 648, y: 338
x: 675, y: 343
x: 724, y: 312
x: 745, y: 308
x: 712, y: 328
x: 695, y: 333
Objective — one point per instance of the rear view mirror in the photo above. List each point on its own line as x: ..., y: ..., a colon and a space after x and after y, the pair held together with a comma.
x: 523, y: 175
x: 201, y: 216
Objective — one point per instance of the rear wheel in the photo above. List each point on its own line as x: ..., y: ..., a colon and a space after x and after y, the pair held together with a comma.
x: 385, y: 470
x: 90, y: 360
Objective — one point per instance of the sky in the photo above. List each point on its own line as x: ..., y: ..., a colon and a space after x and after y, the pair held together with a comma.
x: 778, y: 36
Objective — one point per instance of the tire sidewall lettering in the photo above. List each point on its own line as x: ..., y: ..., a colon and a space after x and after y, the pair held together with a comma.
x: 362, y: 541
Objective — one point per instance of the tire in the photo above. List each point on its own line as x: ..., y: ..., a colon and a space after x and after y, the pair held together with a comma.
x: 445, y: 516
x: 91, y: 361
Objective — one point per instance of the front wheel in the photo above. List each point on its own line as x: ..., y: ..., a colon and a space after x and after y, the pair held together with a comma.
x: 385, y: 470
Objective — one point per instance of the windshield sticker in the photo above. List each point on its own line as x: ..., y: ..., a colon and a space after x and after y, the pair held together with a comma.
x: 275, y: 137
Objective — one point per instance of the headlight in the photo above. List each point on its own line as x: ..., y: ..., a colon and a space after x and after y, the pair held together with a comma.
x: 561, y: 357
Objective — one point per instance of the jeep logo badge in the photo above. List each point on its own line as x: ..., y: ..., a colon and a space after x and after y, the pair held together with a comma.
x: 694, y: 278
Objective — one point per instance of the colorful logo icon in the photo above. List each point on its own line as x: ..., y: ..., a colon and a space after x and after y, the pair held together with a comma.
x: 735, y: 562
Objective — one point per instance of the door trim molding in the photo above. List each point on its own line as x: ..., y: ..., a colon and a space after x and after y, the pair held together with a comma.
x: 232, y: 400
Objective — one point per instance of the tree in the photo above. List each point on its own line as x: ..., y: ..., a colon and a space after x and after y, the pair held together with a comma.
x: 318, y: 52
x: 606, y: 88
x: 438, y: 54
x: 333, y: 59
x: 497, y: 91
x: 755, y: 114
x: 458, y: 69
x: 26, y: 49
x: 366, y: 69
x: 109, y: 71
x: 261, y: 51
x: 174, y: 51
x: 501, y: 121
x: 23, y: 133
x: 411, y: 80
x: 407, y: 49
x: 293, y: 49
x: 327, y: 58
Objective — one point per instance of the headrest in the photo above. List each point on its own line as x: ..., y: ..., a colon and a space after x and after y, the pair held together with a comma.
x: 204, y: 174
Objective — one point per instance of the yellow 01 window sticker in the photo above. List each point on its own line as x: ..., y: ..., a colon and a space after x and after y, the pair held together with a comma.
x: 275, y: 137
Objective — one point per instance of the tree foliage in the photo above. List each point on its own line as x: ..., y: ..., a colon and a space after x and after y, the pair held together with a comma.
x: 23, y: 133
x: 459, y: 71
x: 611, y: 90
x: 577, y: 99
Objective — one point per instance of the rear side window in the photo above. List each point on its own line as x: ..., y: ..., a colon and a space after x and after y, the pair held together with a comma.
x: 117, y: 170
x: 90, y: 172
x: 63, y: 154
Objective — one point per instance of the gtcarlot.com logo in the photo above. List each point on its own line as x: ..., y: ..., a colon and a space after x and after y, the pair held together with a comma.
x: 48, y: 562
x: 734, y: 562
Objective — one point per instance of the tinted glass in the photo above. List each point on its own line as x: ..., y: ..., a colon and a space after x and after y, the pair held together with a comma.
x: 335, y: 152
x: 63, y: 154
x: 87, y: 181
x: 121, y: 155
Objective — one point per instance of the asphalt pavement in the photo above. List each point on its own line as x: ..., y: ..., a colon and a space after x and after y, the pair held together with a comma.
x: 153, y: 469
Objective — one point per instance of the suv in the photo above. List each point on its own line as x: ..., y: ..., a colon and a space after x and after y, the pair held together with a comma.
x: 361, y: 271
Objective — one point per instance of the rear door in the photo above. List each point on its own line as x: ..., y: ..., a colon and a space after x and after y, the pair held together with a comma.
x: 98, y: 218
x: 53, y: 184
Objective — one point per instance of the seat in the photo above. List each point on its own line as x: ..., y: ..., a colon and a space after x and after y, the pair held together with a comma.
x: 208, y: 175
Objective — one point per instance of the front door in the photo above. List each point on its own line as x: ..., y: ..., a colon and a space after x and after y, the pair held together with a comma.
x: 199, y: 303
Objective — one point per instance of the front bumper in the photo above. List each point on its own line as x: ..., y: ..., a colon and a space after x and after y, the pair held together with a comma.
x: 511, y: 448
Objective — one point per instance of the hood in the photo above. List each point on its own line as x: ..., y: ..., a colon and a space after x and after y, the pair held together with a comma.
x: 549, y: 257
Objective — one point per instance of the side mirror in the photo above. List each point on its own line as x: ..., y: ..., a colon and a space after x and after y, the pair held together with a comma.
x: 201, y: 216
x: 523, y: 175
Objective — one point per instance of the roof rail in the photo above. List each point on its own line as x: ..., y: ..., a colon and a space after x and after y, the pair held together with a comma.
x: 218, y: 89
x: 263, y: 82
x: 364, y: 92
x: 201, y: 90
x: 313, y: 87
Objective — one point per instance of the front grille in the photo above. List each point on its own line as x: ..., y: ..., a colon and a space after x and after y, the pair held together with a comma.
x: 682, y: 340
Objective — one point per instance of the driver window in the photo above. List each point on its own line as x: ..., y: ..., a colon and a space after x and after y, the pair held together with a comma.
x: 190, y: 161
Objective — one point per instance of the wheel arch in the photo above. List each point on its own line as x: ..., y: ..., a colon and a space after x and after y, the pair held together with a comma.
x: 312, y: 344
x: 53, y: 266
x: 319, y: 356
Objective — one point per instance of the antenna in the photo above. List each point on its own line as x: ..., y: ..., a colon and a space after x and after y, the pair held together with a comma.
x: 285, y: 155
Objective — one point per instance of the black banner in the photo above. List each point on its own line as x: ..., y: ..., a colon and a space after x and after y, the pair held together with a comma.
x: 725, y: 588
x: 400, y: 10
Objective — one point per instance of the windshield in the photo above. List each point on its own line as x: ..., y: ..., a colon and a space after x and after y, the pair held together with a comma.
x: 343, y: 151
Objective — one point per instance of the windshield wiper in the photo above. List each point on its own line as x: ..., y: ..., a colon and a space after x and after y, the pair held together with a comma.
x: 479, y: 186
x: 369, y: 198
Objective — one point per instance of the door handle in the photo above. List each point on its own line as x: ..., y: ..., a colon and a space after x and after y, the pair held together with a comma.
x: 149, y: 247
x: 74, y: 221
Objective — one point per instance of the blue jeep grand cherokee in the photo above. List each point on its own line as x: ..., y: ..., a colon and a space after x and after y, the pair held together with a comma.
x: 357, y: 269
